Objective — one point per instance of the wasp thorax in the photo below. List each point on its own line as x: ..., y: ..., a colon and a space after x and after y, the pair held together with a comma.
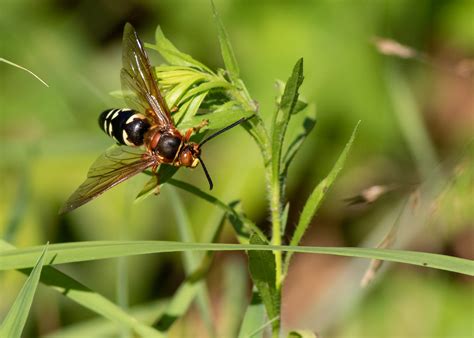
x: 168, y: 146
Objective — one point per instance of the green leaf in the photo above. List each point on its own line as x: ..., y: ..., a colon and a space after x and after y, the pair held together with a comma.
x: 308, y: 124
x: 15, y: 320
x: 254, y: 317
x: 316, y: 197
x: 173, y: 96
x: 205, y: 87
x: 284, y: 217
x: 227, y: 52
x: 173, y: 55
x: 217, y: 119
x: 188, y: 110
x: 86, y: 251
x: 283, y: 114
x: 263, y: 272
x: 300, y: 104
x: 86, y: 297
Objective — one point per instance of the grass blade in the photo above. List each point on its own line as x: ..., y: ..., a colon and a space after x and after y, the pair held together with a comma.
x: 90, y: 251
x: 86, y: 297
x: 316, y: 197
x: 25, y: 69
x: 227, y: 52
x: 15, y: 321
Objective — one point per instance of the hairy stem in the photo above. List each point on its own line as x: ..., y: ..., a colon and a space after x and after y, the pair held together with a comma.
x: 257, y: 130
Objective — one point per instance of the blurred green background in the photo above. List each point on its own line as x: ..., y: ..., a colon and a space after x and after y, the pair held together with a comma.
x: 416, y: 114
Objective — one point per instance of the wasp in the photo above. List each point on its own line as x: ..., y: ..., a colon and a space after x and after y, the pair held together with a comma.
x: 145, y: 133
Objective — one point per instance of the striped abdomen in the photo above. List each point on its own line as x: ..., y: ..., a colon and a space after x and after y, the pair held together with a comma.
x: 126, y: 126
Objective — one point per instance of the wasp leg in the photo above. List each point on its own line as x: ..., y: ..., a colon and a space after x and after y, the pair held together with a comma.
x: 195, y: 129
x: 203, y: 124
x: 174, y: 110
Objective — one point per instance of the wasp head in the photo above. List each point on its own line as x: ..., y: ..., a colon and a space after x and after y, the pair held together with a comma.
x: 189, y: 155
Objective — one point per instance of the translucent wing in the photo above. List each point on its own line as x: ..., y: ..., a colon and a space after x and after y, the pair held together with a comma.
x: 114, y: 166
x: 138, y: 80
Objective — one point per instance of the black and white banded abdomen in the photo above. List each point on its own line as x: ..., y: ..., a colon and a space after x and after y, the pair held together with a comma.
x: 126, y: 126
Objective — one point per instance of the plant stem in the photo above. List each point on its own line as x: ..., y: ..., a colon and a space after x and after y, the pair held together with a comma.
x: 275, y: 207
x: 262, y: 138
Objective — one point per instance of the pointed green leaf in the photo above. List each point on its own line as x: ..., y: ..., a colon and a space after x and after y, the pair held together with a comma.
x: 283, y: 114
x: 15, y: 320
x: 188, y: 110
x: 308, y: 124
x: 227, y: 52
x: 284, y: 218
x: 300, y: 104
x: 205, y: 87
x: 174, y: 95
x: 317, y: 196
x: 173, y: 55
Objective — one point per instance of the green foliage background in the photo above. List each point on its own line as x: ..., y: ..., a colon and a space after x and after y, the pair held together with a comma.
x: 49, y: 137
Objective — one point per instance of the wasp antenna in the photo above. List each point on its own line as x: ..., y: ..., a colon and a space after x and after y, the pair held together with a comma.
x: 211, y: 185
x: 230, y: 126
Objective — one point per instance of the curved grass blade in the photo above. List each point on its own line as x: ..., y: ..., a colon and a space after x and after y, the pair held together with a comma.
x: 25, y: 69
x: 88, y: 298
x: 15, y: 320
x: 315, y: 199
x: 92, y: 251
